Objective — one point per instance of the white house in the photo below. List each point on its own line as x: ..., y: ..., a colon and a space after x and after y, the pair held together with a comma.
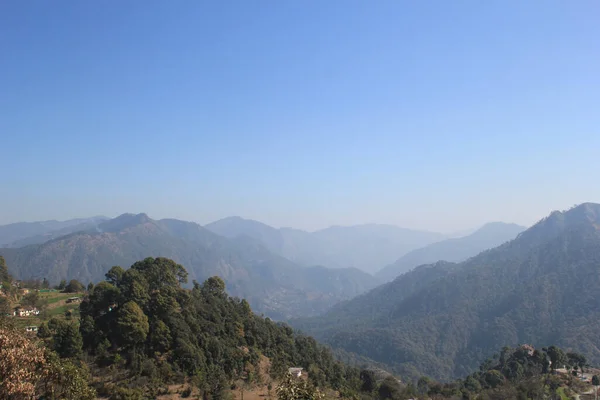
x: 297, y: 372
x: 25, y: 311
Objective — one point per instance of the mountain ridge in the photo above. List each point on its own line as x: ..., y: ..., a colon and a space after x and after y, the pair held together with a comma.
x: 366, y: 246
x: 271, y: 283
x: 540, y: 288
x: 459, y: 249
x: 19, y: 234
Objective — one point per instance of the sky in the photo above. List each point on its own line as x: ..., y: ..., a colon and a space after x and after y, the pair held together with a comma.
x: 436, y: 115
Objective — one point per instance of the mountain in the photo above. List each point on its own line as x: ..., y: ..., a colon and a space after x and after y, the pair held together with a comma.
x: 456, y: 250
x: 366, y: 247
x: 23, y: 233
x: 444, y: 319
x: 272, y: 284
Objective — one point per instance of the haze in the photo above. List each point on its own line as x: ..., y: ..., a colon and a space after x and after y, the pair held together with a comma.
x: 437, y: 116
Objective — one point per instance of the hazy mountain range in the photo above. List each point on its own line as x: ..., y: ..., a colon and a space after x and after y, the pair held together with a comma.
x: 444, y: 319
x: 366, y: 247
x: 456, y: 250
x: 23, y: 233
x: 271, y: 283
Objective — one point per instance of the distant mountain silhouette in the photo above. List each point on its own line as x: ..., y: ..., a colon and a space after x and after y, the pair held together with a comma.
x: 366, y: 247
x: 270, y: 282
x: 24, y: 233
x: 455, y: 250
x: 444, y: 319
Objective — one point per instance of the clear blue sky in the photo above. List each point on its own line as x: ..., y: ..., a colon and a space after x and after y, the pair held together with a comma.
x: 439, y: 115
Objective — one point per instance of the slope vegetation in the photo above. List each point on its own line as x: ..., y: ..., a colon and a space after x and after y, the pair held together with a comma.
x: 455, y: 250
x: 442, y: 320
x: 272, y: 284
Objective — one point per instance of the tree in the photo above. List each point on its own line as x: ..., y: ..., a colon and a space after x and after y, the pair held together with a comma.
x: 4, y: 307
x: 90, y: 287
x: 74, y: 286
x: 472, y: 384
x: 114, y: 275
x: 45, y: 284
x: 160, y: 337
x: 31, y: 299
x: 66, y: 338
x: 389, y: 389
x: 43, y: 331
x: 297, y: 389
x: 133, y: 324
x: 4, y: 274
x: 22, y: 363
x: 423, y: 385
x: 493, y: 378
x: 557, y: 357
x: 596, y: 383
x: 30, y: 371
x: 369, y: 383
x: 161, y: 272
x: 62, y: 285
x: 214, y: 286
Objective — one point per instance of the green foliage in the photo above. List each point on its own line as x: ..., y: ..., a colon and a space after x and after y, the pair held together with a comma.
x: 493, y: 378
x: 31, y: 299
x: 4, y: 274
x: 165, y: 333
x: 390, y: 389
x: 5, y: 307
x: 70, y: 380
x: 66, y: 338
x: 297, y: 389
x: 114, y: 275
x: 133, y: 324
x: 74, y: 286
x: 62, y: 285
x: 595, y: 380
x: 557, y: 357
x: 444, y: 319
x: 519, y: 373
x: 369, y: 383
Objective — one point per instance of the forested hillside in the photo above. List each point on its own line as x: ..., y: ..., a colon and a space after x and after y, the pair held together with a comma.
x: 271, y: 283
x: 454, y: 250
x: 140, y: 334
x: 142, y: 319
x: 443, y: 320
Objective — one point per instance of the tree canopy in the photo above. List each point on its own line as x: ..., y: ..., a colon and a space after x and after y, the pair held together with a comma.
x: 144, y: 317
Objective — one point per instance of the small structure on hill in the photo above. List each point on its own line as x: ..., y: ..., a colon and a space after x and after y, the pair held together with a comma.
x: 74, y: 300
x: 31, y: 329
x: 25, y: 311
x: 297, y: 372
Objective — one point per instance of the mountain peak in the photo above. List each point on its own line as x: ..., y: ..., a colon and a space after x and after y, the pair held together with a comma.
x: 585, y: 214
x: 124, y: 221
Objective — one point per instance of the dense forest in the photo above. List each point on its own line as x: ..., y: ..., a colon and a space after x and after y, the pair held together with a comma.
x: 140, y: 331
x: 521, y: 373
x: 442, y: 320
